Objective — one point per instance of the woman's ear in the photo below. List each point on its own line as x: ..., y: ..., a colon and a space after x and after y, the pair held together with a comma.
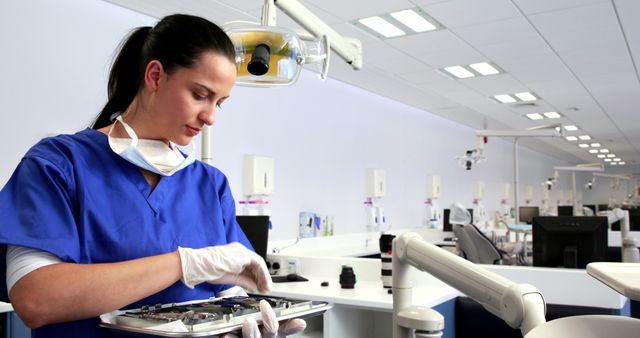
x: 153, y: 74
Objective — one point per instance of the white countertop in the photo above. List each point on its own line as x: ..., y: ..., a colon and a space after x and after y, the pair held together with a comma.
x: 622, y: 277
x: 365, y: 294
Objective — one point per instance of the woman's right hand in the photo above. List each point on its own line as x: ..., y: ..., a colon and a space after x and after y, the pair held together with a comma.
x: 225, y: 264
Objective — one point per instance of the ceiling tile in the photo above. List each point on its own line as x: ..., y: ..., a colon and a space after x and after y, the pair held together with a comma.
x: 514, y: 49
x: 585, y: 19
x: 536, y: 68
x: 429, y: 42
x: 395, y: 61
x: 628, y: 11
x: 607, y: 38
x: 496, y: 31
x: 496, y: 84
x: 458, y: 13
x: 438, y: 49
x: 538, y: 6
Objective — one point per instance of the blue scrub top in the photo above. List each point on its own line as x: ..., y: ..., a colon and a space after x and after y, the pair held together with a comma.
x: 72, y: 196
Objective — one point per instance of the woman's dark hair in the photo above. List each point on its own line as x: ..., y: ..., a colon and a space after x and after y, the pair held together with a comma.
x: 176, y: 41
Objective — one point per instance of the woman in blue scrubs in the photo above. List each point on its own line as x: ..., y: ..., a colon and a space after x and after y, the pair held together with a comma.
x: 116, y: 216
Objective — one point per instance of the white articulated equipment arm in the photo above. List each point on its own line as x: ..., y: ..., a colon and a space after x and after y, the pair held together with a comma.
x: 519, y: 305
x: 628, y: 245
x: 349, y: 49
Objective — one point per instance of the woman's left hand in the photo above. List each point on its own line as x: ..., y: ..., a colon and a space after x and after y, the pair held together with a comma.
x: 270, y: 328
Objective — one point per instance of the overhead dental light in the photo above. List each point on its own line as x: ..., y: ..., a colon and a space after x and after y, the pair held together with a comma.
x: 268, y: 55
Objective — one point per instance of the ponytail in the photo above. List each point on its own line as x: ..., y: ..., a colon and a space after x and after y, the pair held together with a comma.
x: 125, y: 77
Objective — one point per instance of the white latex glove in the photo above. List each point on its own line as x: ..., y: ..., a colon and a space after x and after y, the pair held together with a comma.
x: 271, y: 328
x: 225, y: 264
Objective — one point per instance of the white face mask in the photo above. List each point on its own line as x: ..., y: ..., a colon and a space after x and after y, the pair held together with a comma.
x: 155, y: 156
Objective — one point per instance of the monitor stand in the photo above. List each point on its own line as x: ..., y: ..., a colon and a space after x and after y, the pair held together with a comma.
x: 570, y: 257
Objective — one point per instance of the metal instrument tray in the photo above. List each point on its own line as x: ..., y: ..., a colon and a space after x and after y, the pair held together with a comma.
x: 209, y: 318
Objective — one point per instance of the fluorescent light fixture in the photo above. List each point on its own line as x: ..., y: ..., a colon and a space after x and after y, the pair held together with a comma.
x: 552, y: 115
x: 584, y: 145
x: 571, y: 138
x: 570, y: 128
x: 604, y: 150
x: 504, y: 98
x: 414, y: 21
x: 584, y: 137
x: 607, y: 160
x: 459, y: 72
x: 616, y: 160
x: 526, y: 96
x: 593, y: 151
x: 534, y: 116
x: 382, y: 26
x: 614, y: 163
x: 611, y: 155
x: 622, y: 163
x: 484, y: 68
x: 595, y: 145
x: 602, y: 156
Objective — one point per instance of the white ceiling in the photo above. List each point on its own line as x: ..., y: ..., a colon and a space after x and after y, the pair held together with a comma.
x: 579, y: 56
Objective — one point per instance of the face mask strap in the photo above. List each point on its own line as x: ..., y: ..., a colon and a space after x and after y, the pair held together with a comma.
x: 132, y: 134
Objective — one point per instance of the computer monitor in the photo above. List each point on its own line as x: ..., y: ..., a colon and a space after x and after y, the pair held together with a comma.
x: 446, y: 225
x: 569, y: 241
x: 256, y: 228
x: 528, y: 213
x: 565, y: 210
x: 603, y: 207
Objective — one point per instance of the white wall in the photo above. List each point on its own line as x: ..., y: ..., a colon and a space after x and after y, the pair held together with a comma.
x: 322, y: 135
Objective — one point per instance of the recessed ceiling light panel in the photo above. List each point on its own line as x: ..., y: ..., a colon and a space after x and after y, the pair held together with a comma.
x: 535, y: 116
x: 570, y: 128
x: 552, y: 115
x: 584, y: 137
x: 526, y: 96
x: 382, y: 27
x: 571, y: 138
x: 459, y: 72
x: 484, y: 68
x: 413, y: 20
x: 398, y: 23
x: 504, y: 98
x: 584, y: 145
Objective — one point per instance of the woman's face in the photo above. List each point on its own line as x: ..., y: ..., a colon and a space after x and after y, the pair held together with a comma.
x: 181, y: 103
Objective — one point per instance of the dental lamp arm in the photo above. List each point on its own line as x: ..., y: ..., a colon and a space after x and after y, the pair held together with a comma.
x: 519, y: 305
x: 348, y: 49
x: 628, y: 245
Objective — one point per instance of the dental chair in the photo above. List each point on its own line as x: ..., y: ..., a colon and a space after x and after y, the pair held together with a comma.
x: 475, y: 246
